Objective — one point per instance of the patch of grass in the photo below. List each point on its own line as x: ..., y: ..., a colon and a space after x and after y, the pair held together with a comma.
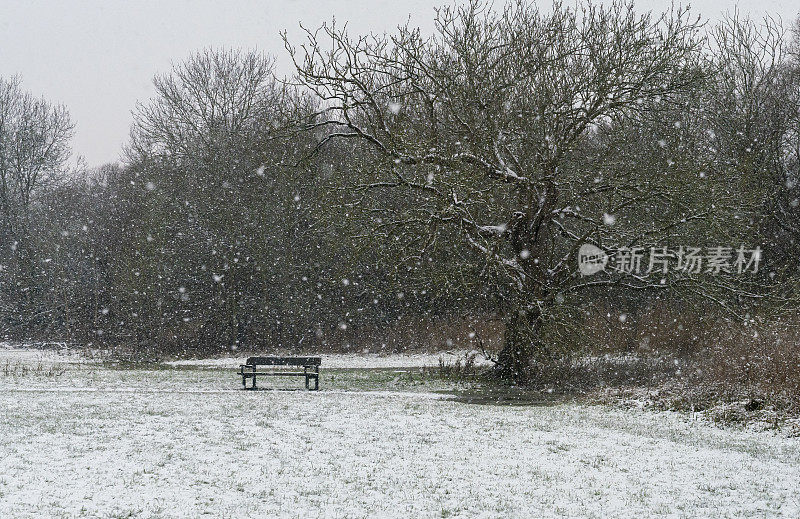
x: 507, y: 396
x: 22, y: 369
x: 460, y: 369
x: 125, y: 514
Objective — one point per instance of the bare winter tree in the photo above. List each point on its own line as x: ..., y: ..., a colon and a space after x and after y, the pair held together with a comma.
x: 484, y: 120
x: 34, y: 146
x: 754, y: 114
x: 210, y: 154
x: 215, y: 101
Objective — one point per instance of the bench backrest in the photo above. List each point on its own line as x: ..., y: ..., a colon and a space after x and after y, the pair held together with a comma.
x: 284, y: 361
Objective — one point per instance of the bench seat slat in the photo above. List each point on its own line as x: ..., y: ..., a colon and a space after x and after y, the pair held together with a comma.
x: 284, y: 361
x: 279, y: 374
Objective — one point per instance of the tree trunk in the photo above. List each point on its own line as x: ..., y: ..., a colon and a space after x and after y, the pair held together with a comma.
x: 521, y: 343
x: 530, y: 237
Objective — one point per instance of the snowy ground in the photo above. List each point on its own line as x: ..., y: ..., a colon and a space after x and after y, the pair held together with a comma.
x: 185, y: 442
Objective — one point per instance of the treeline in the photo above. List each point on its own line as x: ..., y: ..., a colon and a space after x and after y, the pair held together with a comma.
x: 222, y: 230
x: 400, y: 179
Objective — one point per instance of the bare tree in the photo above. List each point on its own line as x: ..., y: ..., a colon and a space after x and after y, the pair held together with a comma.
x: 753, y: 114
x: 493, y: 107
x: 214, y: 102
x: 211, y: 154
x: 34, y: 147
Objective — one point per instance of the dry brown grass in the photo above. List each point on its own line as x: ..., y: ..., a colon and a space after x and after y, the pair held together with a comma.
x: 761, y: 358
x: 691, y: 360
x: 415, y: 335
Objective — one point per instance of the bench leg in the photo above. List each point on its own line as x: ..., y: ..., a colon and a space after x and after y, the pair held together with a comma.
x: 245, y: 375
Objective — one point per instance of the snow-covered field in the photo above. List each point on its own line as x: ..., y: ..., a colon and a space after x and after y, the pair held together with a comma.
x: 185, y: 442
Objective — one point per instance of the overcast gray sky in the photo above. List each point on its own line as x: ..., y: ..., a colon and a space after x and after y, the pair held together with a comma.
x: 98, y: 57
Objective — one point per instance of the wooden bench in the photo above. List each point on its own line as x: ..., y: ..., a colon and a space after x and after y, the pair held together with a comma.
x: 310, y: 367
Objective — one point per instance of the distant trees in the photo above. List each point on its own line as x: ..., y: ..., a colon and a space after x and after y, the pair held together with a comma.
x: 213, y: 157
x: 219, y: 232
x: 232, y: 238
x: 411, y: 176
x: 753, y: 116
x: 34, y: 148
x: 214, y: 104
